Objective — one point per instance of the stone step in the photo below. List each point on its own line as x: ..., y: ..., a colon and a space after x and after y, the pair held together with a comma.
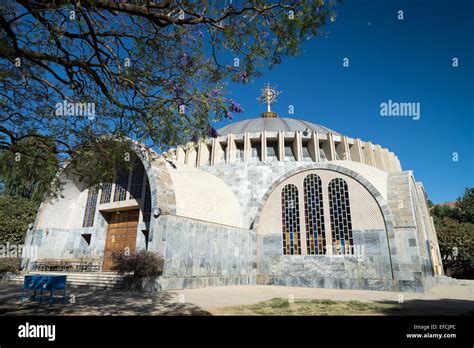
x: 78, y: 276
x: 83, y: 283
x: 91, y: 285
x: 96, y: 280
x: 450, y: 281
x: 82, y: 274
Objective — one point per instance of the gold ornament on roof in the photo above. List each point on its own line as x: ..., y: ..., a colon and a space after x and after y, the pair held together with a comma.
x: 268, y: 96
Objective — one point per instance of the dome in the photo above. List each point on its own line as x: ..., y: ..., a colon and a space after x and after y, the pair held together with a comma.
x: 272, y: 125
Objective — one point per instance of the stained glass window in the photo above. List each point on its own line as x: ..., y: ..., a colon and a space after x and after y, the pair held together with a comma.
x: 106, y: 193
x: 314, y: 215
x: 147, y: 203
x: 91, y: 204
x: 137, y: 180
x: 340, y: 213
x: 290, y: 220
x: 121, y: 186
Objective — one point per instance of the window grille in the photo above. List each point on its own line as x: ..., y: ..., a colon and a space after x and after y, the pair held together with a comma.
x: 290, y: 220
x: 137, y: 180
x: 314, y: 215
x: 106, y: 193
x: 340, y: 214
x: 121, y: 186
x: 91, y: 204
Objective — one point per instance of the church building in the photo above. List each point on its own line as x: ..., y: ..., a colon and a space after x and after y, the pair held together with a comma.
x: 270, y: 200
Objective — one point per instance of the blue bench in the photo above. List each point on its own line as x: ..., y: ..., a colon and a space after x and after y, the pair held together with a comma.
x: 41, y: 282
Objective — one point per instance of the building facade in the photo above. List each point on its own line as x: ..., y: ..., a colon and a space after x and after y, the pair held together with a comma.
x: 269, y: 201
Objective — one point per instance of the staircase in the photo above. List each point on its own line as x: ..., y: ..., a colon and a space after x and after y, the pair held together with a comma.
x: 94, y: 280
x: 441, y: 279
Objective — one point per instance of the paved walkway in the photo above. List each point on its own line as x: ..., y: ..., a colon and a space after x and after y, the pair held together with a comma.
x: 446, y: 299
x: 441, y: 299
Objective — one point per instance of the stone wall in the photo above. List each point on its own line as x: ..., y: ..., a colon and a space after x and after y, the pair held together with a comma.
x: 67, y: 243
x: 412, y: 270
x: 370, y: 269
x: 199, y: 253
x: 433, y: 245
x: 392, y: 256
x: 250, y: 181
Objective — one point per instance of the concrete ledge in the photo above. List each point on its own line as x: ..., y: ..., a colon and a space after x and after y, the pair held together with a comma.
x: 175, y: 283
x: 347, y: 283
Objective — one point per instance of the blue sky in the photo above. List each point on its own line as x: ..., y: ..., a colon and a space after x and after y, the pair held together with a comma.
x: 407, y: 60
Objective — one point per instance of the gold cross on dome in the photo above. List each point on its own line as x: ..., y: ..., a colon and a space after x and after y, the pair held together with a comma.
x: 268, y: 95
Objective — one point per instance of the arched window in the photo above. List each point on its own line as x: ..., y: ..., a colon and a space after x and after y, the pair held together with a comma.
x: 106, y: 193
x: 314, y: 215
x: 137, y: 180
x: 147, y: 202
x: 121, y: 186
x: 290, y: 220
x: 340, y: 212
x: 127, y: 181
x: 91, y: 205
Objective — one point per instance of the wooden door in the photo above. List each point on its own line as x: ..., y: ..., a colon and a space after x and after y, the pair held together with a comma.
x: 121, y: 234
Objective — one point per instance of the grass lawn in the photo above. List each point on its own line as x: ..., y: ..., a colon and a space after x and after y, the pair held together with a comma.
x: 280, y: 306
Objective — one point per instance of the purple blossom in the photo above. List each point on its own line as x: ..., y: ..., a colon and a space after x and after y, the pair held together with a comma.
x: 186, y: 59
x: 211, y: 131
x: 276, y: 59
x: 214, y: 93
x: 235, y: 107
x: 229, y: 115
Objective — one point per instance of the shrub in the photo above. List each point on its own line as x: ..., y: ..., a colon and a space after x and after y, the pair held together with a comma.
x: 455, y: 231
x: 456, y: 243
x: 10, y: 264
x: 16, y: 213
x: 144, y: 264
x: 466, y: 205
x: 279, y: 303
